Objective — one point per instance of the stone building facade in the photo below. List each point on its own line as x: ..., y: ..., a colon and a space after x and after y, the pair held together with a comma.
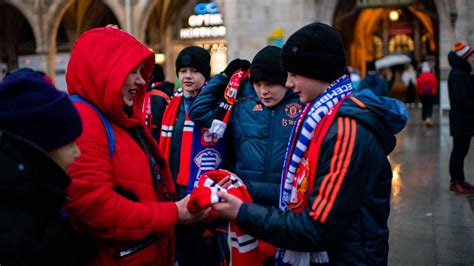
x: 46, y: 28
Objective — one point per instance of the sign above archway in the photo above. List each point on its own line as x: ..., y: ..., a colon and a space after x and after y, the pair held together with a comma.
x: 207, y: 22
x: 382, y: 3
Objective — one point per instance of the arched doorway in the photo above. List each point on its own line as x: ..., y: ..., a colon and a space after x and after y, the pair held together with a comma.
x: 373, y: 29
x: 79, y: 17
x: 161, y: 21
x: 17, y: 38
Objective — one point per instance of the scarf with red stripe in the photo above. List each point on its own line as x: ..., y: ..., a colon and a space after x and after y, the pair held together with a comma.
x: 224, y: 107
x: 317, y: 116
x: 200, y: 151
x: 245, y: 248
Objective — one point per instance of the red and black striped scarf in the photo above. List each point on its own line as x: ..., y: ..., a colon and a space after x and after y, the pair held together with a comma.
x: 169, y: 120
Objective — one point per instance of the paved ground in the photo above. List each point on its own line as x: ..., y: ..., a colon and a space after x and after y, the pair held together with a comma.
x: 429, y: 225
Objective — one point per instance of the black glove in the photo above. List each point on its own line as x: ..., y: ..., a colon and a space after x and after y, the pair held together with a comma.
x: 235, y: 65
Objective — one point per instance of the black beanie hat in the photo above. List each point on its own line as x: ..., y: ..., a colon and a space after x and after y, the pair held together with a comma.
x: 157, y: 75
x: 314, y: 51
x: 266, y: 66
x: 196, y: 57
x: 34, y: 109
x: 370, y: 66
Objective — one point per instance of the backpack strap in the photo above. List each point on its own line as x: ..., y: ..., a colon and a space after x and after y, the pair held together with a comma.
x: 156, y: 92
x: 108, y: 127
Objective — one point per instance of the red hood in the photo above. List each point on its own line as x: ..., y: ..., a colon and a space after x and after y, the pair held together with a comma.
x: 100, y: 62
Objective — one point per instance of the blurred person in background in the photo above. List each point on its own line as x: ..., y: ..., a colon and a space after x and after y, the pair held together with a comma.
x: 461, y: 114
x: 427, y: 88
x: 409, y: 79
x: 374, y: 81
x: 157, y: 98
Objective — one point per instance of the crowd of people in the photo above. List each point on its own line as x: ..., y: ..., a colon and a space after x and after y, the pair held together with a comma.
x: 263, y: 164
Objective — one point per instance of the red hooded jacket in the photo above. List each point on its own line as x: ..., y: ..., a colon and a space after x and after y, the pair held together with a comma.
x: 426, y: 84
x: 130, y: 232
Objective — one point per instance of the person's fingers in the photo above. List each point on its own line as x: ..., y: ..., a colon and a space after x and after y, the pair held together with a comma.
x: 226, y: 196
x: 224, y: 180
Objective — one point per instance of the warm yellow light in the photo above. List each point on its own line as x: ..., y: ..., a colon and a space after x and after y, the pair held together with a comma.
x: 159, y: 59
x: 393, y: 15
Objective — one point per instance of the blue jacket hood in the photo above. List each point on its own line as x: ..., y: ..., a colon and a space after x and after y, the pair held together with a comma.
x: 383, y: 116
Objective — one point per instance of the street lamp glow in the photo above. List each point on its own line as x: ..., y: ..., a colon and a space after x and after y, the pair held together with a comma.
x: 393, y: 15
x: 159, y: 58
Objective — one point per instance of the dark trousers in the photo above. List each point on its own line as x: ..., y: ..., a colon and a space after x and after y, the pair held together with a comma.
x: 458, y: 154
x: 411, y: 93
x: 202, y: 244
x: 427, y: 110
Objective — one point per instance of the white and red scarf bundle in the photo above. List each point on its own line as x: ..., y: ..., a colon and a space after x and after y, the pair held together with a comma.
x: 245, y: 248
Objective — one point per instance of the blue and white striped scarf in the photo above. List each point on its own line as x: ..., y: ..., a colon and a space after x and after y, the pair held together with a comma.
x: 297, y: 146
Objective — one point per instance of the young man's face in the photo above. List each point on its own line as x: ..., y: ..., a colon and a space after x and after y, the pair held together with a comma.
x: 306, y: 88
x: 270, y: 93
x: 191, y: 80
x: 66, y: 154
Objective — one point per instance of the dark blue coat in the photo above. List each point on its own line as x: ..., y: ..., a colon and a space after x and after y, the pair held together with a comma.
x: 258, y: 136
x: 461, y: 97
x: 32, y: 193
x: 355, y: 231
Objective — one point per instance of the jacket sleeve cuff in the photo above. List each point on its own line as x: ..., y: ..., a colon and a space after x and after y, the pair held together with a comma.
x: 166, y: 216
x: 244, y: 216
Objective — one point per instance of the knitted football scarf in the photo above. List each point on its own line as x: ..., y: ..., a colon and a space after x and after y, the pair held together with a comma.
x: 245, y: 248
x: 200, y: 151
x: 224, y: 107
x: 298, y: 143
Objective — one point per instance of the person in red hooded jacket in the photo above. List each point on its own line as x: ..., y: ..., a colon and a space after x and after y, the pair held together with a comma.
x: 427, y: 87
x: 123, y: 198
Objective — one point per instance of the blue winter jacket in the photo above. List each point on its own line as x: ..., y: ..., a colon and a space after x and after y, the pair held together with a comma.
x: 257, y: 136
x: 355, y: 230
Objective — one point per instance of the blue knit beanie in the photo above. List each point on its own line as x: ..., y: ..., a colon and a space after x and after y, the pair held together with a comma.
x: 33, y: 108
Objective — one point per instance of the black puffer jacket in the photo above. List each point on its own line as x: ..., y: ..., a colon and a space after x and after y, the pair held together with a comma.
x: 32, y: 192
x: 461, y: 97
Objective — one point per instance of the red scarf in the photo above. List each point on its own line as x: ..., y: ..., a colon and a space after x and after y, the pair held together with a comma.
x: 169, y: 119
x: 245, y: 248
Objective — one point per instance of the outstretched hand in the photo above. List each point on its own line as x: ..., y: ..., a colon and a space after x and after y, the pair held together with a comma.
x: 228, y: 209
x: 186, y: 217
